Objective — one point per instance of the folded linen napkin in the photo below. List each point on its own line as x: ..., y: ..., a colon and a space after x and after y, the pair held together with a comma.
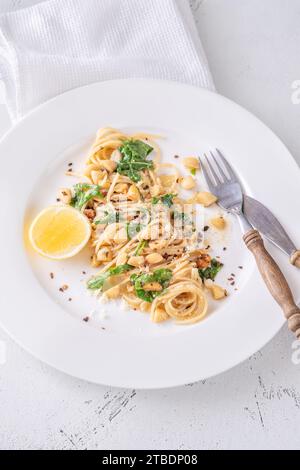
x: 58, y: 45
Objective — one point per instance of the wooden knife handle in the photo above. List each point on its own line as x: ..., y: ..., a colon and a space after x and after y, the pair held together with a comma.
x: 274, y: 279
x: 295, y: 259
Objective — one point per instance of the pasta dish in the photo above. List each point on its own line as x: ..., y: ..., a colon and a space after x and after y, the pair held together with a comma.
x: 145, y: 241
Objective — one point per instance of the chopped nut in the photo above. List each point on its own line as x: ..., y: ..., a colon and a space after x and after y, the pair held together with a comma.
x: 133, y: 193
x: 219, y: 223
x: 191, y: 163
x: 136, y: 261
x: 218, y: 292
x: 153, y: 287
x: 206, y: 199
x: 154, y: 258
x: 90, y: 213
x: 121, y: 188
x: 104, y: 255
x: 65, y: 195
x: 203, y: 261
x: 167, y: 180
x: 188, y: 183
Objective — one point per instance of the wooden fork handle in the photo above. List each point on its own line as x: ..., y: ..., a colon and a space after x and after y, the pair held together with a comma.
x: 295, y: 259
x: 274, y: 279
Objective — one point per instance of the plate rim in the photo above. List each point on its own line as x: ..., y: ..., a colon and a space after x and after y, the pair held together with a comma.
x: 43, y: 106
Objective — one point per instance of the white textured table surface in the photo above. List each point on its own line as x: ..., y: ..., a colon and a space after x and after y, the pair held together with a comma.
x: 253, y: 50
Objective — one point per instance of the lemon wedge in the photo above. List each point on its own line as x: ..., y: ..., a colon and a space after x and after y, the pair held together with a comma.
x: 59, y: 232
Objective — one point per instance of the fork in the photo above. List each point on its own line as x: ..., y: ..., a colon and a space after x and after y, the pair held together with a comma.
x: 224, y: 184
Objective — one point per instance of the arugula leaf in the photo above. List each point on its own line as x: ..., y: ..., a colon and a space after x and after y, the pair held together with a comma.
x: 110, y: 218
x: 97, y: 282
x: 140, y: 247
x: 212, y: 271
x: 134, y: 159
x: 162, y: 276
x: 167, y: 200
x: 83, y: 193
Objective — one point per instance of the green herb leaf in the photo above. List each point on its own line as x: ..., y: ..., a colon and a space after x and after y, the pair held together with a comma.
x: 167, y: 200
x: 162, y: 276
x: 140, y: 247
x: 83, y: 193
x: 134, y: 159
x: 155, y: 200
x: 97, y: 282
x: 193, y: 171
x: 212, y: 271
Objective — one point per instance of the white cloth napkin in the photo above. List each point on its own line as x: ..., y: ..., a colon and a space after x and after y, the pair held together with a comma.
x: 58, y: 45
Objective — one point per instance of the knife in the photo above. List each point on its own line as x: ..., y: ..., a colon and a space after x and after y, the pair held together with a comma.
x: 264, y: 221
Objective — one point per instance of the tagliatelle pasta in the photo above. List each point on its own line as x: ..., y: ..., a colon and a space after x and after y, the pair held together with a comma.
x: 145, y: 240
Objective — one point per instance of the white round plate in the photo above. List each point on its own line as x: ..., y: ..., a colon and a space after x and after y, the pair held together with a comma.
x: 123, y: 348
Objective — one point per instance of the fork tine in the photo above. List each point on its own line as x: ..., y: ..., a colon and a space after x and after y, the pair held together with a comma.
x: 216, y: 177
x: 221, y: 171
x: 227, y: 166
x: 207, y: 177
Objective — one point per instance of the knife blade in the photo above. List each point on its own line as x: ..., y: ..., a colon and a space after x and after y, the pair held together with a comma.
x: 264, y: 221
